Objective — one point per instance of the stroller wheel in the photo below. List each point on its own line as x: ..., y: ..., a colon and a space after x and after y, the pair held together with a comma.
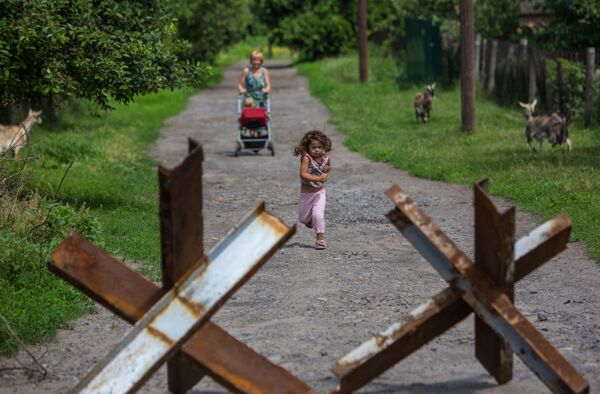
x: 271, y: 148
x: 237, y: 150
x: 255, y: 151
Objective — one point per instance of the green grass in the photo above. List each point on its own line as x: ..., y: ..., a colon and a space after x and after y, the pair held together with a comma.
x: 113, y: 174
x: 109, y: 195
x: 379, y: 121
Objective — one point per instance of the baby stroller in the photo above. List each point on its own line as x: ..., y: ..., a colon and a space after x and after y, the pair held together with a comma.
x: 254, y: 129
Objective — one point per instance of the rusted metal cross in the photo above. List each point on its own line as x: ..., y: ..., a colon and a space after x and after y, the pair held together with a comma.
x: 172, y: 321
x: 484, y: 287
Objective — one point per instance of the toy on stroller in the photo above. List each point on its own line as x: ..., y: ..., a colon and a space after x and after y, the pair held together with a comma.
x: 254, y: 129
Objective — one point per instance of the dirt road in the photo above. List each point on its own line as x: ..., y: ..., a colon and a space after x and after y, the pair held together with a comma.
x: 306, y: 308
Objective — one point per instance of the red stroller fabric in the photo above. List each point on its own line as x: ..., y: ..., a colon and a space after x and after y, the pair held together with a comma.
x: 253, y: 118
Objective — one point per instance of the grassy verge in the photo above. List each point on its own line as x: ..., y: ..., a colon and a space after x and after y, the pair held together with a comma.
x: 109, y: 195
x: 379, y: 121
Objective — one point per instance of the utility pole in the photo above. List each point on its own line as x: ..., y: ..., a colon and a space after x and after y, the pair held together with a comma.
x: 467, y: 65
x: 362, y: 41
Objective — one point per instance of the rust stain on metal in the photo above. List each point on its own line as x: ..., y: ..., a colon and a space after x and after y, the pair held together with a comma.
x: 274, y: 223
x: 196, y: 309
x: 160, y: 335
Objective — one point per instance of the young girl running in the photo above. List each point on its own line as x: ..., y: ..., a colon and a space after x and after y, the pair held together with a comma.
x: 314, y: 167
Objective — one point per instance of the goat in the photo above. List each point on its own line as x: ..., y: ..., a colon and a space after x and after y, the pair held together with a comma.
x: 552, y: 126
x: 422, y: 103
x: 14, y: 137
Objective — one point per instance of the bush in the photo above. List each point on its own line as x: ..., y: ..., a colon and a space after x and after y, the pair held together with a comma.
x: 211, y: 25
x: 315, y: 34
x: 574, y: 78
x: 33, y: 300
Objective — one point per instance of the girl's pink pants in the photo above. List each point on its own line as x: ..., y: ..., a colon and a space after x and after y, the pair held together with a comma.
x: 311, y: 207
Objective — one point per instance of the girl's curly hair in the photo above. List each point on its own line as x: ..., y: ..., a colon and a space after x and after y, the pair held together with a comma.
x: 303, y: 146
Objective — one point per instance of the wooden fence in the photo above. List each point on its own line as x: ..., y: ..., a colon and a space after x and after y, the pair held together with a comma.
x: 565, y: 81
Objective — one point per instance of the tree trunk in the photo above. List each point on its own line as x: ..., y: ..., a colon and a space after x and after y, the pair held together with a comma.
x: 590, y: 63
x: 491, y: 82
x: 467, y: 65
x: 362, y: 41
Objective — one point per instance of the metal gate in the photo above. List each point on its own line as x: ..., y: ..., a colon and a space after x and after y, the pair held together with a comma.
x: 423, y: 50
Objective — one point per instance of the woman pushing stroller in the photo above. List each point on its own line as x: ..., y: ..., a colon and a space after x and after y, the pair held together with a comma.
x: 254, y: 82
x: 254, y: 108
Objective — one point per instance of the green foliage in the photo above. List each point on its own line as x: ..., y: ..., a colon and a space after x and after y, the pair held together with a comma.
x: 315, y: 34
x: 574, y: 78
x: 379, y: 122
x: 573, y: 24
x: 34, y: 301
x: 498, y: 19
x: 96, y: 50
x: 316, y: 29
x: 211, y: 25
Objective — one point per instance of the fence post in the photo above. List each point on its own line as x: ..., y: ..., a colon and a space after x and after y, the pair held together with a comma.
x: 484, y: 63
x: 531, y: 76
x: 477, y: 53
x: 561, y: 88
x: 491, y: 82
x: 524, y: 45
x: 590, y: 63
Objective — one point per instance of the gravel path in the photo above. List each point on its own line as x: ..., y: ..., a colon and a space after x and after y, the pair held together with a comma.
x: 306, y: 308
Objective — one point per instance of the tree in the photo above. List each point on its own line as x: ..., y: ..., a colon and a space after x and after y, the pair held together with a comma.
x: 95, y: 50
x: 314, y: 28
x: 573, y: 24
x: 497, y: 19
x: 211, y: 25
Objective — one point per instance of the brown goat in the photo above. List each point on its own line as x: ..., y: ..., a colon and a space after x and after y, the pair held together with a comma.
x: 422, y: 103
x: 552, y: 126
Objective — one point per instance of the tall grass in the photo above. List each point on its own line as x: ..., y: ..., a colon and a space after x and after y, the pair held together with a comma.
x: 380, y: 123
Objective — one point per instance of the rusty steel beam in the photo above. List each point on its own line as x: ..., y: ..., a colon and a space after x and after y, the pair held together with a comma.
x: 185, y: 308
x: 494, y: 254
x: 479, y: 292
x: 180, y: 191
x: 129, y: 295
x: 402, y: 338
x: 359, y: 367
x: 539, y: 246
x: 181, y: 226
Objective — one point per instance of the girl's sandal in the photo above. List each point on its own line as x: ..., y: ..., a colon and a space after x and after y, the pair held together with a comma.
x: 320, y: 245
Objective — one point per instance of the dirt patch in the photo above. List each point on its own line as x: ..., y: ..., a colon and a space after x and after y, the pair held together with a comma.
x: 306, y: 308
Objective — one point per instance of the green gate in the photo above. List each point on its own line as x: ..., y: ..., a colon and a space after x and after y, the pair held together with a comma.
x: 423, y: 50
